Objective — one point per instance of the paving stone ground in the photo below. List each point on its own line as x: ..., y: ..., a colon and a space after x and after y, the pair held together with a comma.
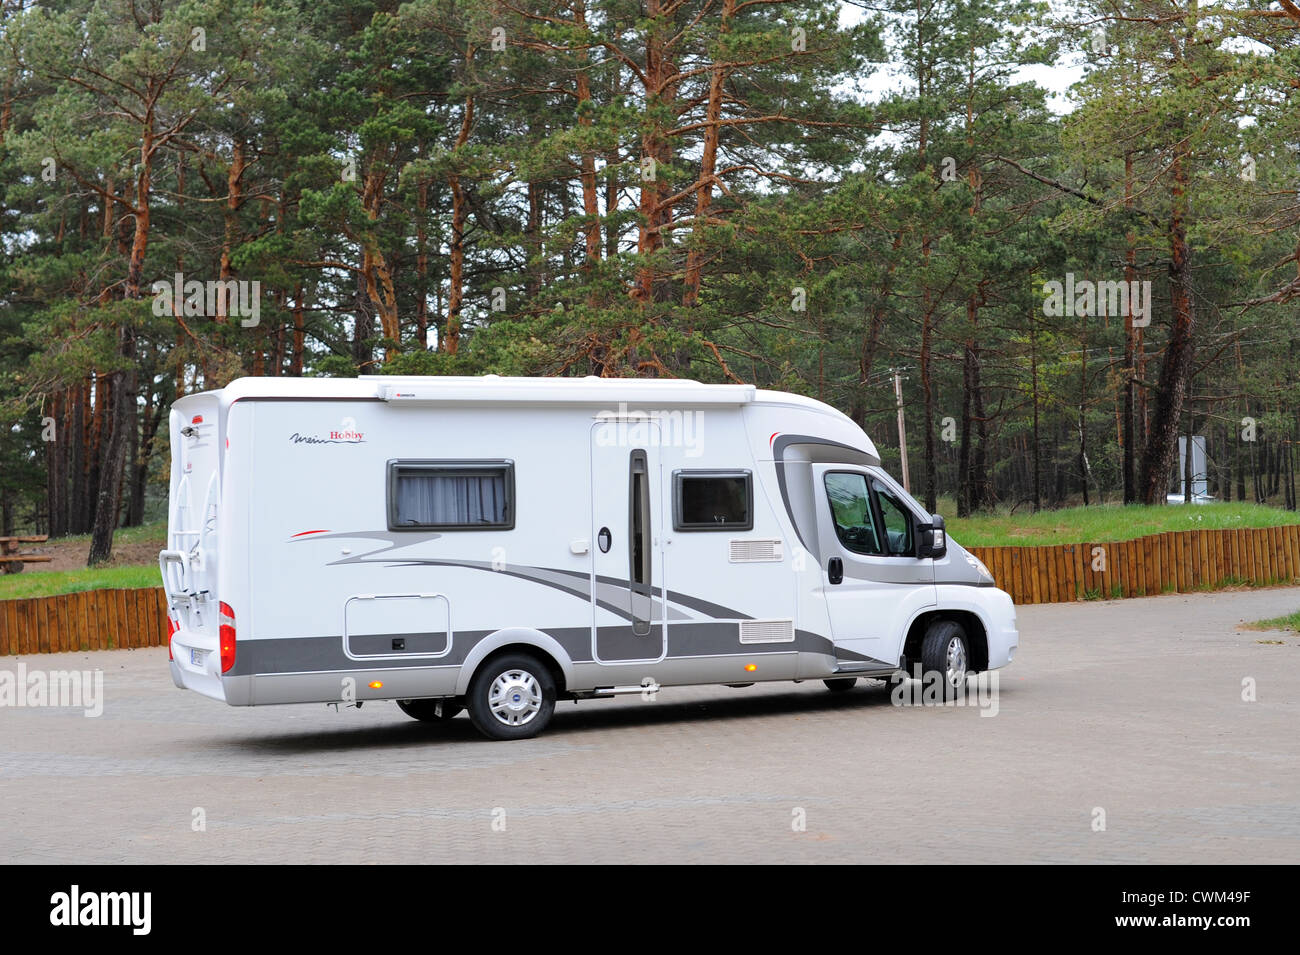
x: 1129, y: 707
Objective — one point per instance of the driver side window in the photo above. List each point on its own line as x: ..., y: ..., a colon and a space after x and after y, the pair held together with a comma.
x: 869, y: 518
x: 855, y: 523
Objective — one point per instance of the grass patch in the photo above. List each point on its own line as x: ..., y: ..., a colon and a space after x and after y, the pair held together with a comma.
x: 1105, y: 522
x: 1289, y: 622
x: 123, y: 535
x: 19, y: 586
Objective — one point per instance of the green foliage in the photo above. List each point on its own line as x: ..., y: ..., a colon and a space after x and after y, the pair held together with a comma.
x: 51, y: 584
x: 1105, y: 523
x: 758, y: 192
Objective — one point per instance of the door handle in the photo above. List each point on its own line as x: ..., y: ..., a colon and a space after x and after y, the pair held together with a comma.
x: 835, y: 570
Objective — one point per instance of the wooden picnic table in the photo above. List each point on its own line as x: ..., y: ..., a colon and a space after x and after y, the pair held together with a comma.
x: 11, y: 561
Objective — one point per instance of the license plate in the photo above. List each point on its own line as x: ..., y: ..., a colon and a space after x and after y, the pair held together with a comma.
x: 196, y: 657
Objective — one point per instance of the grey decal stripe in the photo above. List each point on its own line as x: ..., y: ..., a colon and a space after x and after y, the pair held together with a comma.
x: 539, y: 575
x: 785, y: 499
x: 395, y: 540
x: 705, y: 606
x: 778, y: 458
x: 534, y: 575
x: 284, y: 655
x: 673, y: 596
x: 314, y: 654
x: 852, y: 656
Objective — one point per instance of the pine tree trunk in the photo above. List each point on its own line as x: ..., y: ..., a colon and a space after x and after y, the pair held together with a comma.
x: 299, y: 332
x: 421, y: 267
x: 109, y: 495
x: 456, y: 250
x: 964, y: 492
x: 132, y: 518
x: 1033, y: 374
x: 1162, y: 443
x: 587, y: 162
x: 55, y: 455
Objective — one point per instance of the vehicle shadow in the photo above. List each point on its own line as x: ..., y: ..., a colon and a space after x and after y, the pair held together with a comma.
x: 571, y: 723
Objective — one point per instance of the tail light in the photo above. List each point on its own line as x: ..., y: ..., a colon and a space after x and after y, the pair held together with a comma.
x: 226, y: 636
x: 172, y: 627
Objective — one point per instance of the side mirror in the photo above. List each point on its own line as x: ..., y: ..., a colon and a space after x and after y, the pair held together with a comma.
x: 932, y: 538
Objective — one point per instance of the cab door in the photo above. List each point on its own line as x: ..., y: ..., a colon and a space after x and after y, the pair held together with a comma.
x: 874, y: 585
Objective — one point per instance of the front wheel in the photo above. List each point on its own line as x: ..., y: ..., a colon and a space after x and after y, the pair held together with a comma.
x: 429, y: 711
x: 512, y: 697
x: 945, y: 656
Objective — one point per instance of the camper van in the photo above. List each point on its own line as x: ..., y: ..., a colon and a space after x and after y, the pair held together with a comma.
x: 497, y: 544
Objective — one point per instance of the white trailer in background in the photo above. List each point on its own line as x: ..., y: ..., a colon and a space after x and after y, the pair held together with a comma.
x: 496, y: 544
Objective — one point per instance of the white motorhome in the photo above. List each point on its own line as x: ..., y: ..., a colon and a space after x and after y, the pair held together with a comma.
x: 496, y: 544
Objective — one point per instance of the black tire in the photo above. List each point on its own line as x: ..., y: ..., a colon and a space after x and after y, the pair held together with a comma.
x: 430, y: 711
x: 840, y: 684
x: 945, y: 650
x: 517, y: 686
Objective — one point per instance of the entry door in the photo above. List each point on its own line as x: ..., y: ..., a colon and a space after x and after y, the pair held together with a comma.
x: 626, y: 560
x: 867, y: 528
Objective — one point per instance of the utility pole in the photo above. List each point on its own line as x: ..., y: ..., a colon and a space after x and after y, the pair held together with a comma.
x: 902, y: 430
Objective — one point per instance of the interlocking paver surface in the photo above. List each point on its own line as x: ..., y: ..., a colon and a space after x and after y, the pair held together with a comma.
x: 1130, y: 707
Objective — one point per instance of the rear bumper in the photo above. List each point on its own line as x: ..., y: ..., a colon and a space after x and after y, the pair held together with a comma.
x: 196, y: 664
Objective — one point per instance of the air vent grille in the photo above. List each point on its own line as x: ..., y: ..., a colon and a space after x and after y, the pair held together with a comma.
x: 767, y: 631
x: 755, y: 551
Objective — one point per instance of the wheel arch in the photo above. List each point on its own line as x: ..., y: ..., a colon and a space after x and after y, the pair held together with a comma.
x: 976, y: 634
x: 522, y: 640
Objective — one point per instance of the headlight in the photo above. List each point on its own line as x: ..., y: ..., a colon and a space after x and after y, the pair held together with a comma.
x: 978, y: 565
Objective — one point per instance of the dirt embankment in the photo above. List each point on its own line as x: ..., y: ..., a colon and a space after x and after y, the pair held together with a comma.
x: 133, y: 550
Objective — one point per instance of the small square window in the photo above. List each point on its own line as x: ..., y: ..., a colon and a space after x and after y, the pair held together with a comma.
x: 713, y: 501
x: 451, y: 495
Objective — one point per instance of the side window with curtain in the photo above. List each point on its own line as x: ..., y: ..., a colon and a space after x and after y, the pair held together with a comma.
x: 451, y: 495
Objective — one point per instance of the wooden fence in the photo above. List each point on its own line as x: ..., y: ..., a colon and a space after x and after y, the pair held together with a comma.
x: 1176, y: 561
x: 91, y: 620
x: 1161, y: 563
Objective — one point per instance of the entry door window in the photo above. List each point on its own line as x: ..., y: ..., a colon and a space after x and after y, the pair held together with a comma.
x: 639, y: 556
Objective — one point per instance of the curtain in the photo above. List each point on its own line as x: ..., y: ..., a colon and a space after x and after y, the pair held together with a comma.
x: 432, y: 498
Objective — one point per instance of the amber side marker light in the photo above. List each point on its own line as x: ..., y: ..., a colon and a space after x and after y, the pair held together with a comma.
x: 377, y: 685
x: 751, y: 667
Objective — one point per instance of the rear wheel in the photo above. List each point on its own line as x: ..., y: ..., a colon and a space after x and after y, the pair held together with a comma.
x: 512, y: 697
x: 429, y: 711
x: 840, y: 684
x: 945, y: 651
